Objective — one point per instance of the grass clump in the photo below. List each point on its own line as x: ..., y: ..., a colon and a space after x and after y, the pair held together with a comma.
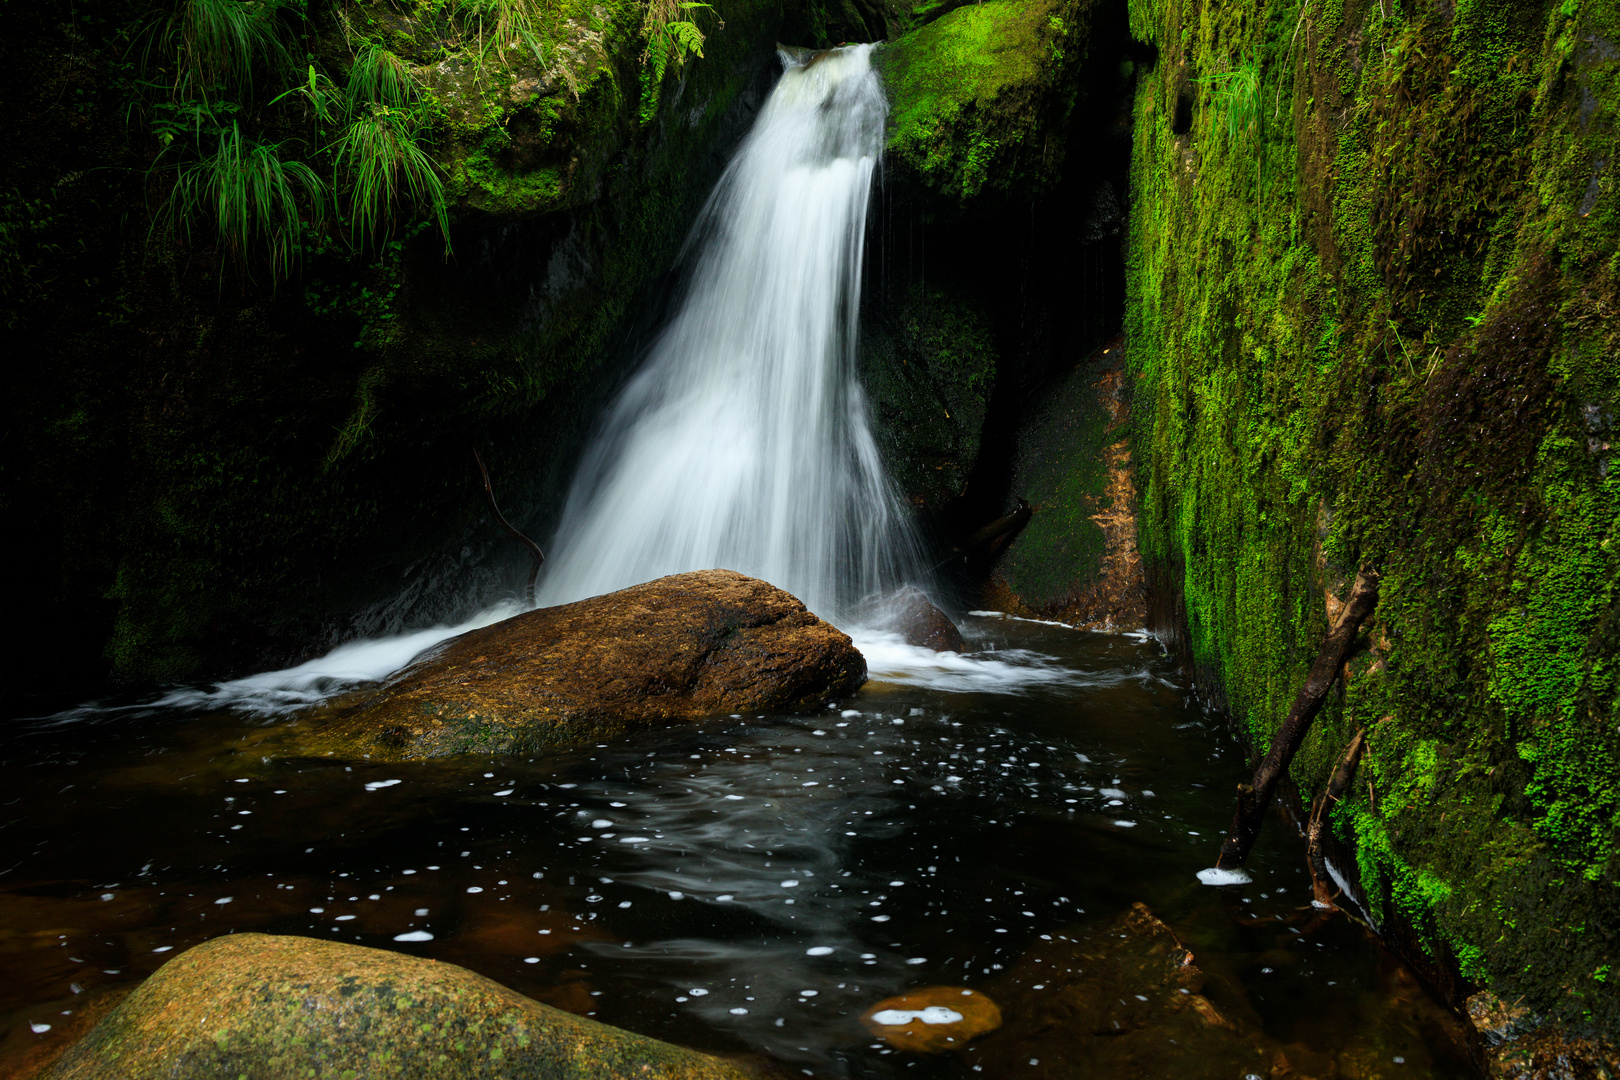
x: 386, y: 170
x: 255, y: 165
x: 500, y: 27
x: 217, y: 46
x: 250, y: 194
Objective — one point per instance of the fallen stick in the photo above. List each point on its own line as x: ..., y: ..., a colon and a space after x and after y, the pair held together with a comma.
x: 534, y: 548
x: 1255, y: 796
x: 1343, y: 773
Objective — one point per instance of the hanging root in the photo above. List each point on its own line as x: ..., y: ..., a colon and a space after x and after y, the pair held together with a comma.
x: 534, y: 548
x: 1343, y: 774
x: 1254, y: 797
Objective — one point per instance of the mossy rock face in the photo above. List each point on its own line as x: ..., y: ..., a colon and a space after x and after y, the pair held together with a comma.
x: 1370, y: 322
x: 1077, y: 558
x: 279, y: 1008
x: 975, y: 94
x: 687, y: 646
x: 929, y: 370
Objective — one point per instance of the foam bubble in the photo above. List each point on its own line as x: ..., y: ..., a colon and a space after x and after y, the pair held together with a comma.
x: 1216, y: 876
x: 933, y: 1014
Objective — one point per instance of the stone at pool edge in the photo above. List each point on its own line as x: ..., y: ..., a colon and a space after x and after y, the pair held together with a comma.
x: 683, y: 647
x: 275, y: 1008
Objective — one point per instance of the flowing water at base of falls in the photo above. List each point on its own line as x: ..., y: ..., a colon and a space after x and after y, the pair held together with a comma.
x: 744, y: 885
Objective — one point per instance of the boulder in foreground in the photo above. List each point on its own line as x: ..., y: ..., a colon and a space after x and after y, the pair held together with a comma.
x: 284, y: 1007
x: 680, y: 648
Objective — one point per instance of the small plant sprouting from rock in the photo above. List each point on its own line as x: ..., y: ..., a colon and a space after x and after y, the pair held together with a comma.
x: 1237, y: 100
x: 673, y: 37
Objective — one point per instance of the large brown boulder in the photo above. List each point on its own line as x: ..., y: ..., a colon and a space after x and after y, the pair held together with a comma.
x: 284, y: 1007
x: 683, y: 647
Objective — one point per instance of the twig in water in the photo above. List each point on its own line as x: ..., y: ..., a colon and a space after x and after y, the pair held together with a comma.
x: 1255, y: 797
x: 1343, y: 773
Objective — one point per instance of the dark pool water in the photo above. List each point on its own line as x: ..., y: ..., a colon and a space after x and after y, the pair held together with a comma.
x: 747, y: 886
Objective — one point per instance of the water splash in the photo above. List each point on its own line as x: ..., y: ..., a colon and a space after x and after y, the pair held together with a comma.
x: 743, y: 443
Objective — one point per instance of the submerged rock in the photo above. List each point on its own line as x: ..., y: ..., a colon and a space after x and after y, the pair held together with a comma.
x: 680, y: 648
x: 933, y: 1019
x: 1125, y: 999
x: 1516, y: 1046
x: 273, y: 1007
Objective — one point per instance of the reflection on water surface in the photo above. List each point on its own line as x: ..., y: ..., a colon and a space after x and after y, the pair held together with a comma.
x: 750, y: 885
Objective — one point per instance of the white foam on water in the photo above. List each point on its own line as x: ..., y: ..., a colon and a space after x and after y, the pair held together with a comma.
x: 1216, y: 876
x: 819, y: 950
x: 1018, y: 618
x: 377, y: 785
x: 344, y: 668
x: 890, y: 660
x: 933, y: 1014
x: 414, y: 935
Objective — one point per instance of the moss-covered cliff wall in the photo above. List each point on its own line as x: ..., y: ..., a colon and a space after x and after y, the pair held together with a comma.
x: 1373, y: 275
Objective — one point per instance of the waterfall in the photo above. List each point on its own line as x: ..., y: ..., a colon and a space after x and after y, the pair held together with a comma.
x: 743, y: 441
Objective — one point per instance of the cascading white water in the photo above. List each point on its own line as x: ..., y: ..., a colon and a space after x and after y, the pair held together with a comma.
x: 743, y: 442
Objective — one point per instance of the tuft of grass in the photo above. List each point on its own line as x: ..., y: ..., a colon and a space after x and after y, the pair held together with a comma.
x: 220, y: 44
x: 1237, y: 96
x: 378, y: 77
x: 386, y: 169
x: 248, y: 194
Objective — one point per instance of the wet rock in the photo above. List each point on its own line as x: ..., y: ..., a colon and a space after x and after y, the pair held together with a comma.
x: 923, y: 624
x: 680, y: 648
x: 1078, y: 560
x: 1124, y: 999
x: 933, y: 1019
x: 274, y: 1007
x: 1518, y: 1048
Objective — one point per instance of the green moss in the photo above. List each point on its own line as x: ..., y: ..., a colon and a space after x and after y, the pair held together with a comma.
x: 1061, y: 469
x: 1390, y: 353
x: 971, y: 93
